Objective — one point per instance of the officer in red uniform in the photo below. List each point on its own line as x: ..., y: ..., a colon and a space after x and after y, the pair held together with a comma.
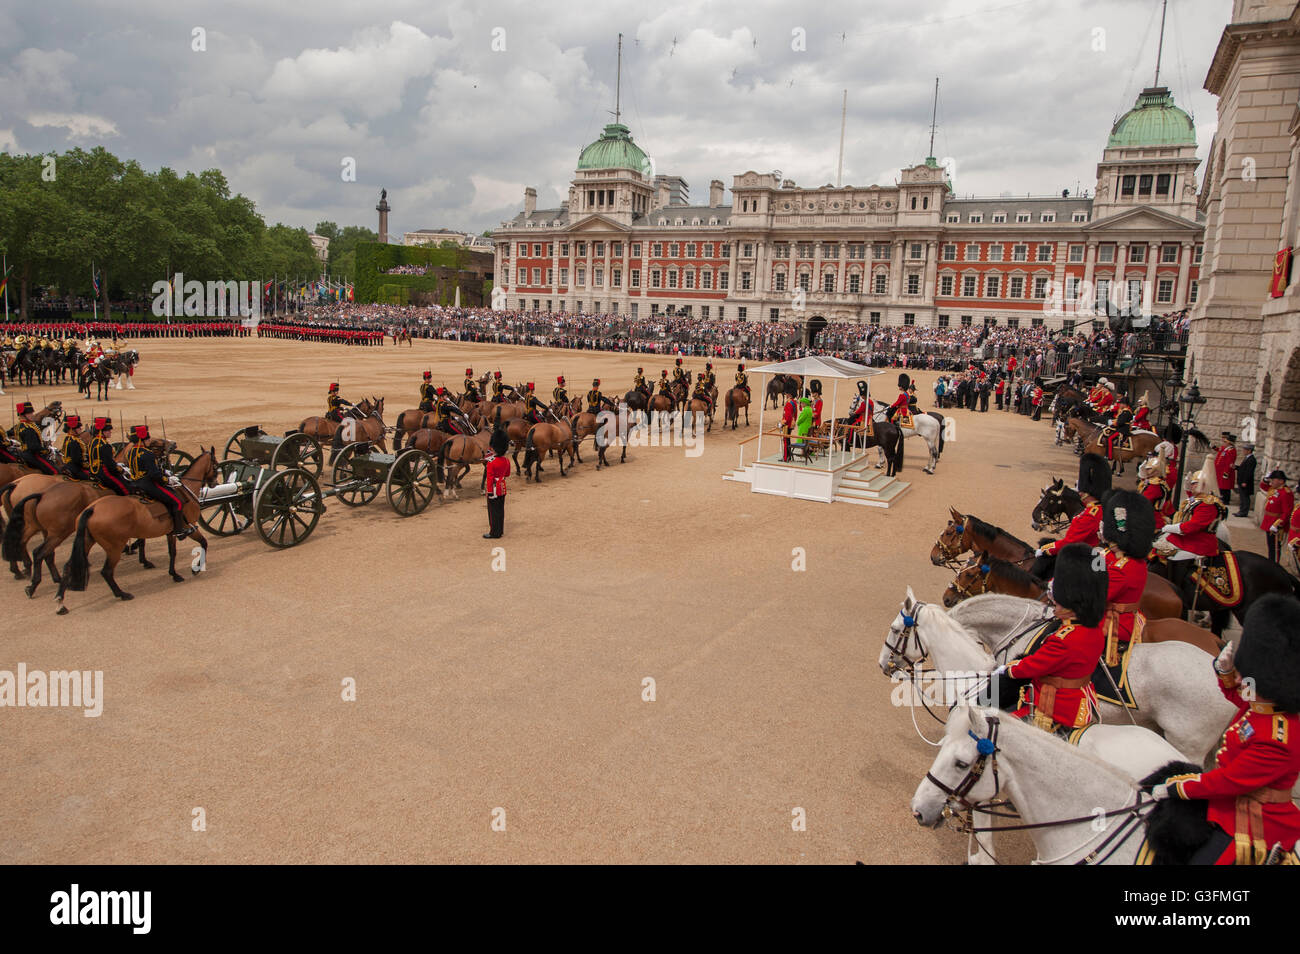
x: 1278, y: 507
x: 1093, y: 484
x: 1154, y: 488
x: 787, y: 425
x: 496, y: 468
x: 1224, y: 462
x: 1061, y: 668
x: 899, y: 412
x: 1192, y: 532
x: 1142, y: 416
x: 1037, y: 399
x: 816, y: 388
x: 1293, y: 535
x: 1249, y: 789
x: 1128, y: 528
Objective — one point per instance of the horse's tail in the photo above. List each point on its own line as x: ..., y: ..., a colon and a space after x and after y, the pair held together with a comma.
x: 530, y: 450
x: 11, y: 548
x: 900, y: 445
x: 942, y: 427
x: 77, y: 570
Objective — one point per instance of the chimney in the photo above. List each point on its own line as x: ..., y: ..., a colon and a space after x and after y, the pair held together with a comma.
x: 715, y: 193
x: 530, y: 200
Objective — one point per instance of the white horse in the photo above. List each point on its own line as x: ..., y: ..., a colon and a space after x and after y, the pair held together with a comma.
x: 1047, y: 779
x: 925, y: 426
x: 1173, y: 682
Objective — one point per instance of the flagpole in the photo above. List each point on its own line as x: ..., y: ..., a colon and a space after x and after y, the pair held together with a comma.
x: 94, y: 288
x: 6, y: 277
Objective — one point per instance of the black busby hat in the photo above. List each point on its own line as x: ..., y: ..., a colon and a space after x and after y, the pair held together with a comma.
x: 1080, y: 582
x: 903, y: 382
x: 1269, y: 650
x: 499, y: 442
x: 815, y: 386
x: 862, y: 387
x: 1094, y: 475
x: 1129, y: 522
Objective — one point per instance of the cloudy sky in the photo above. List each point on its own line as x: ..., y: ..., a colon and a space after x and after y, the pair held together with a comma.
x: 456, y: 107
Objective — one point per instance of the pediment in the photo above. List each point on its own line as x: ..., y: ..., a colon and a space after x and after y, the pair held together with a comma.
x: 1142, y: 219
x: 597, y: 223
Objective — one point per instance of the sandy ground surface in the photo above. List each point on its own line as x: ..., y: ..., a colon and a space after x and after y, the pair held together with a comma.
x: 481, y: 689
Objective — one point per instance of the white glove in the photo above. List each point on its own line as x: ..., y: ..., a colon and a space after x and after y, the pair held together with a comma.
x: 173, y: 480
x: 1039, y: 552
x: 1000, y: 671
x: 1160, y: 792
x: 1169, y: 528
x: 1224, y: 662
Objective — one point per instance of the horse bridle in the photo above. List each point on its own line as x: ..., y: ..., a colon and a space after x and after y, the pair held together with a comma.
x: 899, y: 651
x: 950, y: 556
x: 970, y: 591
x: 987, y: 758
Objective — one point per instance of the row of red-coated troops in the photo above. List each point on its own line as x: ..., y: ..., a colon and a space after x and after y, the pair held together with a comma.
x: 127, y: 329
x: 345, y: 336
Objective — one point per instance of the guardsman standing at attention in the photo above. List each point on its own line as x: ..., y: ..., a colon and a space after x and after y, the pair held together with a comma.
x: 1225, y: 460
x: 742, y: 379
x: 534, y: 409
x: 31, y: 443
x: 1249, y: 789
x: 496, y: 470
x: 498, y: 389
x: 146, y: 477
x: 1093, y: 484
x: 75, y: 453
x: 560, y: 393
x: 336, y: 405
x: 427, y: 393
x: 1278, y: 508
x: 594, y: 397
x: 1061, y: 668
x: 103, y: 468
x: 1128, y: 528
x: 471, y: 386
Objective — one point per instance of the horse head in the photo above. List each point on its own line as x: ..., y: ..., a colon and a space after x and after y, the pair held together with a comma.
x: 957, y: 778
x: 951, y: 543
x: 902, y: 649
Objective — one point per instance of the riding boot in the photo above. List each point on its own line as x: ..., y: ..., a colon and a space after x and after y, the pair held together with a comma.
x: 180, y: 529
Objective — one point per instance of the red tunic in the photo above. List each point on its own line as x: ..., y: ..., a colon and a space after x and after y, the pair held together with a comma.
x: 1127, y: 578
x: 1277, y: 508
x: 1195, y: 532
x: 1142, y: 419
x: 1261, y: 749
x: 1071, y: 652
x: 1224, y: 466
x: 497, y: 467
x: 817, y: 413
x: 1155, y: 491
x: 1293, y: 537
x: 1084, y: 528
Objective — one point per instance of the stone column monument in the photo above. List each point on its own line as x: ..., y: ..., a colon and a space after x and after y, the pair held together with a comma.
x: 383, y: 209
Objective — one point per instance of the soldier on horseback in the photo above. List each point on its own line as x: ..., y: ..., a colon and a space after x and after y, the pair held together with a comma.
x: 1117, y: 429
x: 665, y: 387
x: 1128, y: 529
x: 1142, y: 416
x: 146, y: 477
x: 534, y: 409
x: 75, y: 453
x: 594, y: 398
x: 679, y: 376
x: 1191, y: 534
x: 103, y: 468
x: 471, y: 386
x: 639, y: 383
x: 31, y: 451
x: 1153, y: 486
x: 427, y: 393
x: 337, y: 405
x: 701, y: 393
x: 742, y: 379
x: 708, y: 377
x: 1093, y: 484
x: 498, y: 388
x: 902, y: 406
x: 560, y: 393
x: 445, y: 411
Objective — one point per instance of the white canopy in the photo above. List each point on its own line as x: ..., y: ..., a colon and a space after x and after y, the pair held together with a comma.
x: 819, y: 366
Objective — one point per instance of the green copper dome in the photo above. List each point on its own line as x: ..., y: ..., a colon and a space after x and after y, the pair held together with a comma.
x: 615, y: 150
x: 1153, y: 121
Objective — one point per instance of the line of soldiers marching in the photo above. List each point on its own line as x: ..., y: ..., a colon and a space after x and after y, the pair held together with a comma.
x: 353, y: 337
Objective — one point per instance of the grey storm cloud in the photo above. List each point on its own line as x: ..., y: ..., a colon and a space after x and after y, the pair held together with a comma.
x: 456, y: 107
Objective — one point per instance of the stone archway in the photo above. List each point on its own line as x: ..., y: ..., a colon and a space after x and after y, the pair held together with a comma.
x: 814, y: 327
x: 1282, y: 443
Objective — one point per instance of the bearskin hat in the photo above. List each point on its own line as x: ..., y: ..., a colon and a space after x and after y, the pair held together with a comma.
x: 1129, y: 521
x: 1094, y: 475
x: 499, y: 442
x: 815, y: 386
x: 1269, y: 650
x: 1079, y: 587
x: 903, y: 382
x: 862, y: 388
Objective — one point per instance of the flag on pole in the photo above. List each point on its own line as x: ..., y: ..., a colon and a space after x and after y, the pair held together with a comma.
x: 94, y: 277
x: 4, y: 279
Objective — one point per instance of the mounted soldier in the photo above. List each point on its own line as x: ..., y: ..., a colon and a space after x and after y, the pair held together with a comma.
x: 1092, y: 485
x: 709, y: 378
x: 445, y: 410
x: 1142, y: 416
x: 1152, y: 485
x: 701, y: 393
x: 900, y: 411
x: 1128, y: 529
x: 1117, y: 429
x: 75, y: 453
x: 498, y: 388
x: 337, y: 405
x: 471, y: 387
x: 742, y: 379
x: 665, y: 386
x: 534, y: 409
x: 104, y: 469
x: 594, y: 398
x: 1191, y: 535
x: 560, y: 393
x: 639, y: 382
x: 31, y: 442
x: 147, y: 478
x: 427, y: 393
x: 679, y: 375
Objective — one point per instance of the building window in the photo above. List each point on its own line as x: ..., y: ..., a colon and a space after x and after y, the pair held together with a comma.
x: 656, y: 250
x: 582, y: 276
x: 521, y: 276
x: 1196, y: 254
x: 858, y: 250
x: 1137, y: 254
x: 636, y: 250
x: 1067, y: 325
x: 968, y: 286
x: 1165, y: 290
x: 1076, y: 253
x: 1013, y: 322
x: 706, y: 279
x: 950, y: 253
x: 617, y: 249
x: 914, y: 284
x: 1144, y: 185
x: 953, y: 219
x: 830, y: 250
x: 828, y: 282
x: 599, y: 274
x: 778, y: 282
x: 1162, y: 184
x: 742, y: 313
x: 1022, y: 216
x: 537, y: 276
x: 975, y: 218
x: 724, y: 250
x: 1020, y: 253
x: 917, y: 251
x: 774, y: 314
x: 805, y: 250
x: 990, y: 322
x: 745, y: 283
x: 1036, y: 322
x: 1044, y: 252
x: 704, y: 311
x: 1016, y: 287
x: 1047, y: 217
x: 999, y: 218
x: 874, y: 318
x: 523, y: 249
x: 909, y: 318
x: 672, y: 278
x: 992, y: 285
x: 879, y: 283
x: 1169, y: 254
x: 564, y: 279
x: 1103, y: 294
x: 855, y: 283
x: 965, y: 321
x: 913, y: 203
x: 1106, y: 253
x: 879, y: 250
x: 972, y: 252
x: 674, y: 250
x: 550, y: 277
x: 656, y: 278
x: 1071, y: 288
x: 805, y: 281
x: 1040, y: 287
x: 598, y: 249
x: 945, y: 285
x: 634, y: 309
x: 1191, y: 292
x: 1076, y: 217
x: 724, y: 280
x: 943, y: 321
x: 1127, y: 186
x: 780, y: 250
x: 688, y: 279
x: 636, y: 278
x: 582, y: 249
x: 995, y: 253
x: 690, y: 249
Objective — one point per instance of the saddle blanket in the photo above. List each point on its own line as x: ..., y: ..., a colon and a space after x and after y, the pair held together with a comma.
x: 1221, y: 580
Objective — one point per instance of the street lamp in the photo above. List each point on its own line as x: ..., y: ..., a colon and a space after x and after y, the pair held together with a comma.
x: 1191, y: 400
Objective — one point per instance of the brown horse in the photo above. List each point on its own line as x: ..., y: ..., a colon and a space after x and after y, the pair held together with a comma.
x: 661, y: 403
x: 611, y: 427
x: 1144, y: 442
x: 696, y: 406
x: 544, y: 438
x: 112, y: 521
x: 735, y: 399
x: 322, y: 428
x: 463, y: 450
x: 966, y: 533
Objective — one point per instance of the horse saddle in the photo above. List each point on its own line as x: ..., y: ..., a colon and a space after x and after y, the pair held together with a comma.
x: 1219, y: 578
x: 904, y: 419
